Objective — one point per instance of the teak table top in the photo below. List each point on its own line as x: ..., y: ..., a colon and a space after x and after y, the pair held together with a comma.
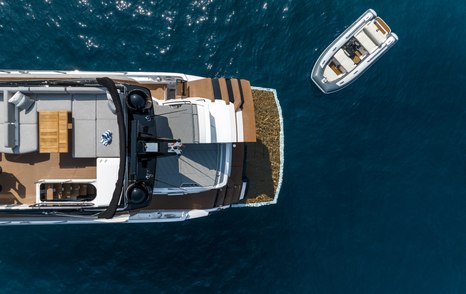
x: 53, y: 131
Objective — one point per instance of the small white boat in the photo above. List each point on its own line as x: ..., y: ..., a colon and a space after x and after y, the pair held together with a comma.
x: 354, y: 51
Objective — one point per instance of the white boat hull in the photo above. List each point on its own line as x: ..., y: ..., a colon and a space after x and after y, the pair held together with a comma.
x: 340, y: 81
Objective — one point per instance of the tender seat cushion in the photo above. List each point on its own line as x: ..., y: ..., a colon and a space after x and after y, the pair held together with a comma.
x: 366, y: 42
x: 346, y: 62
x: 375, y: 34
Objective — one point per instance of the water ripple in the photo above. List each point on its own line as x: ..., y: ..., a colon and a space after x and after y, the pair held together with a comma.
x: 374, y: 180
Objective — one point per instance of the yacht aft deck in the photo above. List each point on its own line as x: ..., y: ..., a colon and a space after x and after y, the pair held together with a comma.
x: 21, y: 172
x: 48, y: 141
x: 53, y: 165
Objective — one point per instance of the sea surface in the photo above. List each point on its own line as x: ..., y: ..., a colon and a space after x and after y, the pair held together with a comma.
x: 374, y: 191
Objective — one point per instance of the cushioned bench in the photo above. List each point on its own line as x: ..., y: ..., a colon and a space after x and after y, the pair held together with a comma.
x: 91, y: 117
x: 90, y: 112
x: 18, y: 128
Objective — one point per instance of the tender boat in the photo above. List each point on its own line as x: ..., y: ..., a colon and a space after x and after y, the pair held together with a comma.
x: 353, y: 52
x: 96, y: 147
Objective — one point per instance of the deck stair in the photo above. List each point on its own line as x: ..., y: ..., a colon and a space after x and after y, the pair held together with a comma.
x: 231, y: 90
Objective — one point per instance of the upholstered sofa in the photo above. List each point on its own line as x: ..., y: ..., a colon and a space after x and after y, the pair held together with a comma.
x: 18, y: 126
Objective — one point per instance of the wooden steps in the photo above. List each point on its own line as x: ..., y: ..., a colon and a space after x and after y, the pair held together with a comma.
x: 201, y: 88
x: 249, y: 119
x: 233, y: 91
x: 235, y: 181
x: 220, y: 199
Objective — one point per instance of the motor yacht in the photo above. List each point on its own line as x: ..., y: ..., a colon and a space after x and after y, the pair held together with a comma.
x: 101, y: 147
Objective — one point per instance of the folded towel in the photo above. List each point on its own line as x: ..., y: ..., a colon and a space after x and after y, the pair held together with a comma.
x: 106, y: 138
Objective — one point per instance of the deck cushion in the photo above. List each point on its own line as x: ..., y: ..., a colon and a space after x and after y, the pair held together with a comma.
x: 21, y: 101
x: 84, y: 106
x: 53, y: 102
x: 103, y: 108
x: 374, y: 33
x: 9, y: 135
x: 28, y: 138
x: 84, y: 138
x: 29, y: 116
x: 8, y: 112
x: 366, y: 42
x: 344, y: 60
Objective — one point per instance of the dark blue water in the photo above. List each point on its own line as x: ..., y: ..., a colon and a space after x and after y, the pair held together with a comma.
x: 374, y: 193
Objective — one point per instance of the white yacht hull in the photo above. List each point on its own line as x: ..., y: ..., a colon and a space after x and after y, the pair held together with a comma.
x: 21, y: 214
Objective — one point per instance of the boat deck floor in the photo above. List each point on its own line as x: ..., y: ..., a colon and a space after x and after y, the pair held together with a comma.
x: 21, y: 172
x: 197, y: 166
x: 261, y: 162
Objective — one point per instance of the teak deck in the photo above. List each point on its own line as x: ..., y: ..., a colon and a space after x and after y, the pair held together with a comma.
x: 21, y: 172
x: 233, y: 91
x: 258, y: 163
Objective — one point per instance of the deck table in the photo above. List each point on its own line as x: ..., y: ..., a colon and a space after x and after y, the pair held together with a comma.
x: 53, y: 131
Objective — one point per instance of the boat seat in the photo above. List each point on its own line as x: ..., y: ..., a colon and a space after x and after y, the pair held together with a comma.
x: 84, y: 138
x: 51, y: 98
x: 346, y: 62
x: 376, y: 35
x: 92, y: 115
x: 365, y: 41
x: 18, y: 130
x: 330, y: 74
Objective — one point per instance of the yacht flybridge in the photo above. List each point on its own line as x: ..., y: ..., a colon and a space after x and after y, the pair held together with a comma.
x: 93, y: 147
x: 354, y: 51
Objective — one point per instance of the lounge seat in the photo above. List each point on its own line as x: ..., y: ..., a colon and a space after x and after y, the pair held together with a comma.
x: 346, y: 62
x: 91, y: 117
x: 18, y: 130
x: 366, y: 42
x: 84, y: 138
x: 375, y: 34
